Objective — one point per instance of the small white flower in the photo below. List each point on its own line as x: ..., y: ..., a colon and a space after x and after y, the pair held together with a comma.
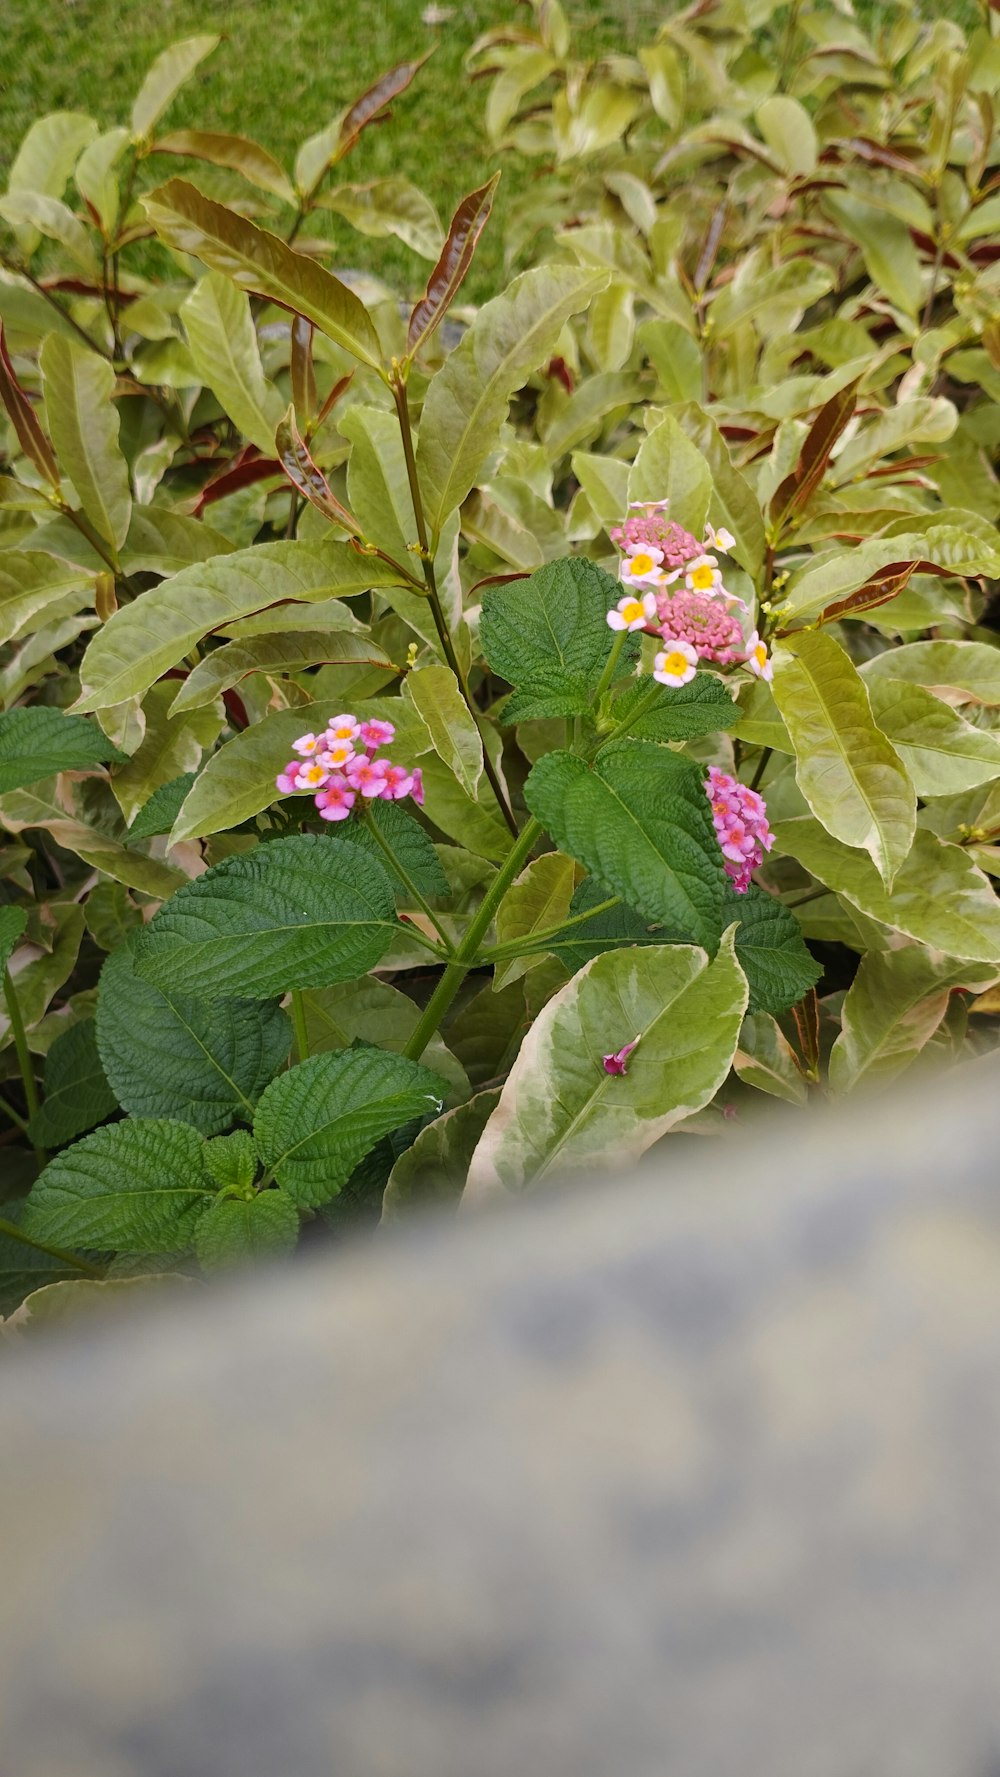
x: 721, y: 539
x: 642, y: 568
x: 702, y: 575
x: 676, y: 665
x: 633, y: 613
x: 758, y: 659
x: 307, y: 745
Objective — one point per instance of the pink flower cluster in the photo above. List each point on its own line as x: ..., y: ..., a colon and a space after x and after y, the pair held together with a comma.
x: 740, y: 818
x: 339, y: 764
x: 650, y: 528
x: 707, y: 624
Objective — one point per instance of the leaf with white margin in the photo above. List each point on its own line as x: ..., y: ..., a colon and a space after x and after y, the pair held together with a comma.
x: 943, y: 753
x: 559, y: 1110
x: 892, y: 1009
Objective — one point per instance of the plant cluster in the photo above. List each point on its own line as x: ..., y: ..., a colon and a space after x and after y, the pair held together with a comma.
x: 444, y: 748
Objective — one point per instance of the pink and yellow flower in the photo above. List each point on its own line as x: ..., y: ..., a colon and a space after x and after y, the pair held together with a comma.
x: 739, y: 816
x: 308, y: 744
x: 643, y: 568
x: 336, y: 800
x: 633, y: 613
x: 757, y: 657
x: 344, y: 727
x: 377, y: 734
x: 367, y: 776
x: 676, y: 664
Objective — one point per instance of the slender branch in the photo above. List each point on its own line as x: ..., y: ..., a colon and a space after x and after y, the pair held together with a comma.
x: 762, y: 765
x: 610, y: 664
x: 467, y: 953
x: 434, y: 599
x: 12, y: 1232
x: 15, y: 1116
x: 23, y: 1053
x: 22, y: 271
x: 407, y: 880
x: 501, y: 953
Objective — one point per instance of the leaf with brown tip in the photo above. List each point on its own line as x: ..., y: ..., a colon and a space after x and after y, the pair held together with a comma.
x: 307, y: 477
x: 819, y: 441
x: 877, y: 591
x: 467, y: 225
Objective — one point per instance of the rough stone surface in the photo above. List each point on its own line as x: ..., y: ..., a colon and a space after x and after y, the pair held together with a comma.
x: 696, y: 1473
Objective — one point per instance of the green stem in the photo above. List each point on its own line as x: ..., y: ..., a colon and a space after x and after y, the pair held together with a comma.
x: 17, y: 1031
x: 501, y: 953
x: 398, y: 387
x: 762, y: 765
x: 15, y: 1116
x: 467, y: 952
x: 407, y: 880
x: 630, y: 720
x: 13, y: 1232
x: 299, y: 1024
x: 610, y: 664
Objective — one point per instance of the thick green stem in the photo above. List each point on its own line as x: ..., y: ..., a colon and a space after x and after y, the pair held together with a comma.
x: 407, y: 880
x: 11, y: 1231
x: 501, y: 953
x: 467, y: 953
x: 762, y: 764
x: 630, y: 720
x: 398, y: 387
x: 22, y: 1051
x: 610, y: 664
x: 299, y: 1024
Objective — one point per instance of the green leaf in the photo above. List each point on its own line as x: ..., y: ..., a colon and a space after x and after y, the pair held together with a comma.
x: 22, y: 1267
x: 38, y: 741
x: 61, y: 805
x: 97, y: 179
x: 278, y: 655
x: 133, y: 1187
x: 733, y: 502
x: 370, y: 1011
x: 561, y: 1112
x: 31, y: 211
x: 850, y: 775
x: 171, y: 745
x: 770, y: 950
x: 30, y: 582
x: 943, y: 753
x: 759, y: 723
x: 172, y: 67
x: 788, y: 131
x: 392, y: 206
x: 799, y: 282
x: 110, y: 914
x: 939, y: 896
x: 640, y: 820
x: 317, y: 1121
x: 144, y: 639
x: 239, y: 780
x: 12, y: 923
x: 471, y: 824
x: 702, y: 706
x: 539, y: 899
x: 262, y: 265
x: 222, y: 341
x: 765, y: 1060
x: 892, y: 1009
x: 886, y: 244
x: 968, y: 671
x: 231, y: 1161
x: 378, y: 491
x: 83, y: 425
x: 669, y: 467
x: 237, y: 153
x: 836, y: 576
x: 406, y: 839
x: 76, y: 1092
x: 160, y: 812
x: 434, y: 693
x: 300, y: 912
x: 432, y: 1173
x: 167, y: 1054
x: 548, y: 636
x: 604, y: 480
x: 246, y: 1230
x: 467, y: 400
x: 128, y: 1187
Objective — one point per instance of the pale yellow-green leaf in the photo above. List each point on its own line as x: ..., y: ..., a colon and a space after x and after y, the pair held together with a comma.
x: 788, y: 130
x: 279, y: 655
x: 49, y: 216
x: 561, y: 1112
x: 167, y: 75
x: 433, y: 691
x: 32, y: 582
x: 760, y: 725
x: 432, y: 1172
x: 467, y: 400
x: 939, y: 896
x: 605, y: 482
x: 96, y: 178
x: 53, y: 805
x: 83, y: 425
x: 848, y: 772
x: 926, y: 420
x: 670, y: 467
x: 378, y: 1013
x: 886, y: 245
x: 476, y: 824
x: 171, y: 746
x: 378, y: 492
x: 943, y: 753
x: 892, y: 1009
x: 45, y: 160
x: 537, y: 901
x: 765, y: 1059
x: 826, y: 581
x: 392, y: 206
x: 222, y: 341
x: 611, y: 326
x: 963, y: 672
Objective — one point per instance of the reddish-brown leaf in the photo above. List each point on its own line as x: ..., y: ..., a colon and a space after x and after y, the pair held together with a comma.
x: 467, y: 225
x: 882, y: 587
x: 307, y: 477
x: 243, y: 471
x: 806, y: 1016
x: 333, y: 397
x: 819, y: 441
x: 30, y: 436
x: 374, y: 101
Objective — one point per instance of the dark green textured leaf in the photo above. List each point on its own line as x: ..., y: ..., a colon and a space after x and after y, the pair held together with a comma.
x: 703, y: 706
x: 301, y: 912
x: 770, y: 949
x: 133, y: 1187
x: 38, y: 742
x: 160, y: 812
x: 169, y: 1055
x: 407, y: 841
x: 232, y: 1160
x: 23, y: 1268
x: 314, y: 1123
x: 640, y: 820
x: 606, y: 931
x: 548, y: 636
x: 246, y: 1230
x: 77, y: 1094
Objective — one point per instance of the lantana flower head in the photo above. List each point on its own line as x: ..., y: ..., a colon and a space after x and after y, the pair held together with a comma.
x: 340, y: 765
x: 705, y: 622
x: 648, y: 529
x: 676, y: 665
x: 633, y: 613
x: 739, y: 816
x: 757, y: 657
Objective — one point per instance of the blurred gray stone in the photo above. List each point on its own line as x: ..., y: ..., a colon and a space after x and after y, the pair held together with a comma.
x: 696, y: 1473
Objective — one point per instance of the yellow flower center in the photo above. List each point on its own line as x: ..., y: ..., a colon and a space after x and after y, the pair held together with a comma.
x: 703, y: 578
x: 632, y: 610
x: 343, y: 733
x: 760, y: 654
x: 675, y: 662
x: 314, y: 775
x: 641, y: 564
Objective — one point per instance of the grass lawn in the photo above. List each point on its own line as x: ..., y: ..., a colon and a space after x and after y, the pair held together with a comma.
x: 285, y: 68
